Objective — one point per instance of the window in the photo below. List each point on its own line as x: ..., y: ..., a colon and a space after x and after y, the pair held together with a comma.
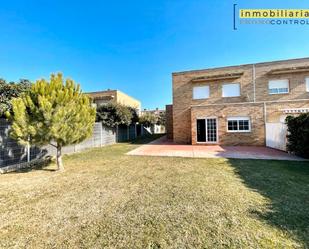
x: 231, y: 90
x: 278, y: 86
x: 200, y: 92
x: 307, y: 84
x: 238, y: 124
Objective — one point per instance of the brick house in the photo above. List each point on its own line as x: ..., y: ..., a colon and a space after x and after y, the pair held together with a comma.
x: 239, y: 105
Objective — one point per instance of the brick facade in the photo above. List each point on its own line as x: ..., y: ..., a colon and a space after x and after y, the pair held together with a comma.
x: 254, y: 101
x: 222, y: 112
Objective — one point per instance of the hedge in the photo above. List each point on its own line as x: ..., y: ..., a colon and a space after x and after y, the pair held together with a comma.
x: 298, y: 135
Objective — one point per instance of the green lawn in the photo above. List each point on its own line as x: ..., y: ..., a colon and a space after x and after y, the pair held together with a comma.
x: 108, y: 199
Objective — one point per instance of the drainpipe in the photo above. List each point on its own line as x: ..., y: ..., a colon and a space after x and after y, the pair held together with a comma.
x: 253, y: 80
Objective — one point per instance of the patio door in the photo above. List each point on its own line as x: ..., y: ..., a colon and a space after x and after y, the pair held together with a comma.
x: 206, y: 130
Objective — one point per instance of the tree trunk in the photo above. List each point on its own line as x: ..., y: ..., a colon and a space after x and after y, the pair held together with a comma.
x: 59, y: 159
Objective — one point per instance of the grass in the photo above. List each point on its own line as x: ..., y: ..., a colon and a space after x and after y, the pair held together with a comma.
x: 106, y: 199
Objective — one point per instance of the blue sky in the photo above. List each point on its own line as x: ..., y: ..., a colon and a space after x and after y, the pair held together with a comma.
x: 134, y: 46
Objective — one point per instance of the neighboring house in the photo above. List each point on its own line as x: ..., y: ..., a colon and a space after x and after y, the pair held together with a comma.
x: 239, y: 105
x: 123, y: 132
x: 115, y: 96
x: 156, y: 129
x: 156, y: 112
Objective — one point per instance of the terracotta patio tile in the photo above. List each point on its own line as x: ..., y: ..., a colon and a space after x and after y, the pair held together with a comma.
x: 165, y: 147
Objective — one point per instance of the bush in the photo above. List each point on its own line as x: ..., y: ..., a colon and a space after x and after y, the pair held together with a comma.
x: 114, y: 114
x: 298, y: 135
x: 148, y: 119
x: 9, y: 91
x: 161, y: 119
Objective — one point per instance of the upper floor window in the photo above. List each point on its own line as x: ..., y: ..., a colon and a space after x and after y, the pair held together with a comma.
x: 200, y: 92
x: 238, y: 124
x: 307, y: 84
x: 231, y: 90
x: 278, y: 86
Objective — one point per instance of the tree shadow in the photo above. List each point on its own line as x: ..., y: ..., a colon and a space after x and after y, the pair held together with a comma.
x: 286, y: 185
x: 41, y: 164
x: 146, y: 139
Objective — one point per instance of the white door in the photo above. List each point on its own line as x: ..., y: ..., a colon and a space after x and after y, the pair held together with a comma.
x: 276, y: 135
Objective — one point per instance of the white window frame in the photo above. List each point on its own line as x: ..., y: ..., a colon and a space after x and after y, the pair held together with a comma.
x: 226, y: 84
x: 274, y: 93
x: 201, y: 88
x: 307, y: 83
x: 237, y: 119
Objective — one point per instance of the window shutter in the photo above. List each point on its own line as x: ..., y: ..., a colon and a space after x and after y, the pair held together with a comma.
x: 231, y: 90
x: 278, y: 84
x: 200, y: 92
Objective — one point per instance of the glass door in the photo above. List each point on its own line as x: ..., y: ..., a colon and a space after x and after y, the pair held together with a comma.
x: 206, y: 130
x: 201, y: 130
x: 211, y: 130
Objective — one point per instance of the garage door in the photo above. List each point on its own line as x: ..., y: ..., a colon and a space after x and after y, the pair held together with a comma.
x: 276, y: 135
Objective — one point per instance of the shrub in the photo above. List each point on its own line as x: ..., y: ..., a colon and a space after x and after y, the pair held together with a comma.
x: 148, y: 119
x: 9, y: 91
x: 298, y: 135
x: 161, y: 119
x: 113, y: 114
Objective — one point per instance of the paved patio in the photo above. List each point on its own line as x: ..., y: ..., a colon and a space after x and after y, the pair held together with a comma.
x: 165, y: 147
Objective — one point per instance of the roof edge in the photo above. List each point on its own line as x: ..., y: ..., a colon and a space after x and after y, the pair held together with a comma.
x: 101, y: 91
x: 240, y: 65
x: 137, y: 100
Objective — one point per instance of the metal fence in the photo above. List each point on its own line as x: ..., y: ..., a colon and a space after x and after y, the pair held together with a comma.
x: 10, y: 151
x: 14, y: 156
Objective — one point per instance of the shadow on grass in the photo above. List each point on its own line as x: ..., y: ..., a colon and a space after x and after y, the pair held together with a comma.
x: 145, y: 139
x: 41, y: 165
x: 286, y: 185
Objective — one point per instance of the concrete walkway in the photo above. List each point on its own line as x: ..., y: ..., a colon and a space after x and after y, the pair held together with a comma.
x: 165, y: 147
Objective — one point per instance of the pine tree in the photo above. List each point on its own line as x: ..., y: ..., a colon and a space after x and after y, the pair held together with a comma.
x: 55, y: 113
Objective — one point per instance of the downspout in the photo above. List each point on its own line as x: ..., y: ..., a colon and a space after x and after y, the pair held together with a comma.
x: 253, y: 80
x: 254, y: 100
